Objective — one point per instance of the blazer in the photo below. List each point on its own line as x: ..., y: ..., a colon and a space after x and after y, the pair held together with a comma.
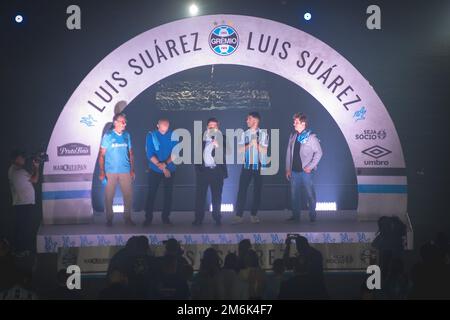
x: 310, y: 152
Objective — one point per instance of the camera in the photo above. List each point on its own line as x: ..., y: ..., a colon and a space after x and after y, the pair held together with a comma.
x: 39, y: 157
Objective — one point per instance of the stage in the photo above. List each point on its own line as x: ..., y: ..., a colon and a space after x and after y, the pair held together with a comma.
x: 343, y: 240
x: 330, y: 227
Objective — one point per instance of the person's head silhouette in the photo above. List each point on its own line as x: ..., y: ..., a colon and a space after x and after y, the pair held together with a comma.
x: 278, y: 266
x: 301, y: 244
x: 173, y: 247
x: 231, y: 262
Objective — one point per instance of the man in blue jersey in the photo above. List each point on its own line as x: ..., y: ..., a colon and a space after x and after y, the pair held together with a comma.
x: 253, y: 143
x: 159, y: 146
x: 116, y: 162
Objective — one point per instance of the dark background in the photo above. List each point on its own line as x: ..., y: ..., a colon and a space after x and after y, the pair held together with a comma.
x: 407, y: 63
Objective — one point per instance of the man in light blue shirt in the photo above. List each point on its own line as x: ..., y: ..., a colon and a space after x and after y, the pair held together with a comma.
x: 116, y: 164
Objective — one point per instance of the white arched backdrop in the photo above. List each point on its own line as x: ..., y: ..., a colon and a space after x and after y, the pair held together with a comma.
x: 188, y: 43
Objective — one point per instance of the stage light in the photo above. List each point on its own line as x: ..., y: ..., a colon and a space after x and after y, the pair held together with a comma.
x: 320, y: 206
x: 224, y: 207
x: 18, y: 18
x: 193, y: 9
x: 326, y: 206
x: 307, y: 16
x: 118, y: 208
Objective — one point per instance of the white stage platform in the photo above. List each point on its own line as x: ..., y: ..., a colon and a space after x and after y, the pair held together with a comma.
x: 331, y: 227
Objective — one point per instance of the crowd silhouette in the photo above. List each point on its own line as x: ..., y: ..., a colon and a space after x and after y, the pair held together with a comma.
x: 134, y: 272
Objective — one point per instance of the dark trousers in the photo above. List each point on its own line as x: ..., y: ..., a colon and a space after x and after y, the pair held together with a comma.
x: 244, y: 181
x: 25, y: 227
x: 154, y: 180
x: 212, y: 178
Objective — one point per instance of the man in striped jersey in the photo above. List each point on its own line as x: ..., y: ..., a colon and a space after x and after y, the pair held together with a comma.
x: 253, y: 143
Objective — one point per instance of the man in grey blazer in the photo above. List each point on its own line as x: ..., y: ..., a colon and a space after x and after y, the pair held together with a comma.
x: 302, y: 157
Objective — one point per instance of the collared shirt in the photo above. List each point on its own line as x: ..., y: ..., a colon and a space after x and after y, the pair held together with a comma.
x: 253, y: 158
x: 117, y: 157
x: 208, y: 156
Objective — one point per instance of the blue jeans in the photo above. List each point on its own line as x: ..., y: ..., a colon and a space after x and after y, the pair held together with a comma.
x: 304, y: 180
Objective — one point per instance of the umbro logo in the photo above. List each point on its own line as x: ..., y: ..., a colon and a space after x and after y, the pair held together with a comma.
x: 376, y: 152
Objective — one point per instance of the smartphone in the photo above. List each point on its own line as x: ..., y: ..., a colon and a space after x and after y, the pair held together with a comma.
x: 292, y: 236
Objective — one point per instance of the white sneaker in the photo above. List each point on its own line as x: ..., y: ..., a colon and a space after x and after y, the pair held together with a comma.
x: 254, y: 219
x: 237, y: 220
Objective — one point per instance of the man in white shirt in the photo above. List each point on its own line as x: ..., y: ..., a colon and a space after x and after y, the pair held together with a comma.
x: 211, y: 174
x: 23, y: 201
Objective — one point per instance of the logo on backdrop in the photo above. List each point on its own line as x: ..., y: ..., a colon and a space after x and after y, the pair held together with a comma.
x: 360, y: 114
x: 74, y: 149
x: 223, y: 40
x: 89, y: 121
x: 70, y: 167
x: 376, y: 152
x: 371, y: 135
